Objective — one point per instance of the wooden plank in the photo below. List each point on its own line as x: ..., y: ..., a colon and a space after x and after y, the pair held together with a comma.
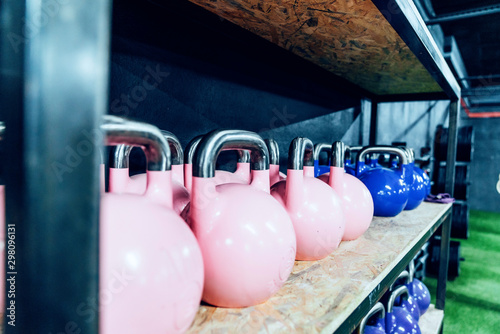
x: 320, y: 295
x: 431, y: 321
x: 351, y: 39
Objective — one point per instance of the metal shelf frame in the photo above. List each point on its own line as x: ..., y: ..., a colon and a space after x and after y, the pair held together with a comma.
x: 54, y: 66
x: 449, y: 188
x: 354, y: 320
x: 335, y: 293
x: 404, y: 17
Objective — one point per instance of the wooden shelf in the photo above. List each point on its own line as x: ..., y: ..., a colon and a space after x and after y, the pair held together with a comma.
x: 432, y: 321
x: 383, y: 47
x: 333, y: 295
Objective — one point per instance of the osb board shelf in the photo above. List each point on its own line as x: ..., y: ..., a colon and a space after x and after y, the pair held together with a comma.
x: 431, y: 321
x: 351, y: 39
x: 333, y: 294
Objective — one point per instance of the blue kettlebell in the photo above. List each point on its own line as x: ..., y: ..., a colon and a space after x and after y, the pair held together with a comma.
x: 419, y: 171
x: 321, y: 169
x: 373, y: 161
x: 371, y: 325
x: 394, y: 163
x: 350, y: 167
x: 389, y: 187
x: 398, y: 320
x: 425, y: 177
x: 418, y: 190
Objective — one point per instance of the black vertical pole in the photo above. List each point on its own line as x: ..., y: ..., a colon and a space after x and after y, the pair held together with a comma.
x: 12, y: 50
x: 450, y: 181
x: 54, y: 64
x: 373, y: 123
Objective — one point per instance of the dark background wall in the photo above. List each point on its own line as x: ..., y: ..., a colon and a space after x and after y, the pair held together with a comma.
x: 191, y: 74
x: 485, y: 167
x: 411, y: 122
x: 416, y: 122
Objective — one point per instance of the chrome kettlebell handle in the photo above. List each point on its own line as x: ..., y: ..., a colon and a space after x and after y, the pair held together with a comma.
x: 411, y: 271
x: 402, y: 290
x: 122, y: 152
x: 338, y: 154
x: 243, y: 155
x: 175, y: 147
x: 300, y: 153
x: 214, y: 142
x: 377, y: 308
x: 2, y: 130
x: 274, y: 151
x: 119, y: 131
x: 411, y: 155
x: 121, y: 156
x: 350, y: 149
x: 320, y: 147
x: 403, y: 274
x: 191, y: 149
x: 384, y: 149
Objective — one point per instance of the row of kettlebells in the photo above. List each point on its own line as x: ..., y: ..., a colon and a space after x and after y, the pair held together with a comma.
x: 395, y: 188
x: 406, y: 303
x: 244, y: 229
x: 231, y: 252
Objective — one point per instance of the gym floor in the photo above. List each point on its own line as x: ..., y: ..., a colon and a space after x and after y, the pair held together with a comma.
x: 473, y: 298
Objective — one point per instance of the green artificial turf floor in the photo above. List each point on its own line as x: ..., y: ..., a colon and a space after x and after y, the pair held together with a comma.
x: 473, y: 298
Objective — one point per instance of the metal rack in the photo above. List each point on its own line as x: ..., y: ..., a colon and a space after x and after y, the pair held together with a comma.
x: 54, y: 90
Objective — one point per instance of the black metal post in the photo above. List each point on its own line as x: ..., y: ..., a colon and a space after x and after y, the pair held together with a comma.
x: 12, y: 102
x: 54, y: 66
x: 373, y: 123
x: 450, y: 181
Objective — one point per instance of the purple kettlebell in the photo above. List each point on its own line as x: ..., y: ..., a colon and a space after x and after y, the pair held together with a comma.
x: 418, y: 290
x: 398, y: 320
x: 410, y: 304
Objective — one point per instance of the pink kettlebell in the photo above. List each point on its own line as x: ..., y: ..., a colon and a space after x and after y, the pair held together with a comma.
x: 242, y: 172
x: 150, y: 265
x: 274, y: 162
x: 314, y: 207
x: 242, y: 167
x: 246, y: 237
x: 119, y: 180
x: 241, y: 175
x: 357, y: 201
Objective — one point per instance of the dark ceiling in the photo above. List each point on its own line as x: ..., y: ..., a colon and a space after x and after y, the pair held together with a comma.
x: 478, y: 38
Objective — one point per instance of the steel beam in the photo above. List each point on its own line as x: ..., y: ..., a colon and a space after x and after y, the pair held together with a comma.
x: 55, y: 56
x: 373, y: 123
x: 464, y: 14
x: 449, y: 186
x: 484, y: 91
x: 408, y: 23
